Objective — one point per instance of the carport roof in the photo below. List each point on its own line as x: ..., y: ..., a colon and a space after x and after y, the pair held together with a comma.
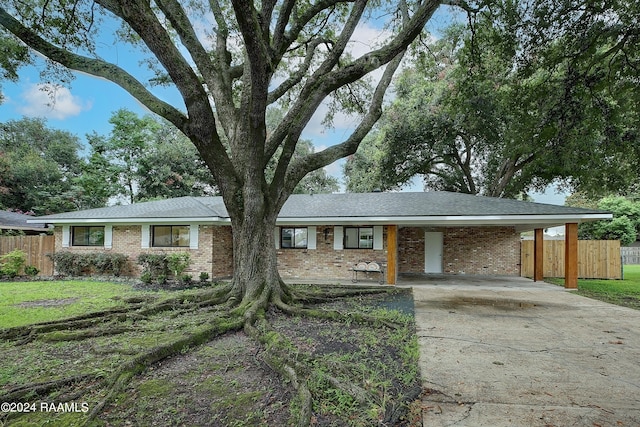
x: 420, y: 208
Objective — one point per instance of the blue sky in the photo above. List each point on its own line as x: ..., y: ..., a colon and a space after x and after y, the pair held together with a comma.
x: 88, y: 104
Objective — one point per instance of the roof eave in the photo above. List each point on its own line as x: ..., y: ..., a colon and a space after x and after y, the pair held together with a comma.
x: 129, y: 221
x: 449, y: 220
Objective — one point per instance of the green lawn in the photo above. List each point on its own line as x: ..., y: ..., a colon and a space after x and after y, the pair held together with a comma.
x: 23, y: 303
x: 624, y: 292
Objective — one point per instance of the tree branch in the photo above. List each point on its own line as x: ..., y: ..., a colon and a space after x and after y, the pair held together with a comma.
x: 212, y: 72
x: 94, y: 67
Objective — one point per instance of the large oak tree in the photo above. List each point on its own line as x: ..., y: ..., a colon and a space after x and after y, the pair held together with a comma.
x: 230, y: 61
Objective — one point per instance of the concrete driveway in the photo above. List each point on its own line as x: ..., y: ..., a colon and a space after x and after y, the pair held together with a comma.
x: 512, y: 352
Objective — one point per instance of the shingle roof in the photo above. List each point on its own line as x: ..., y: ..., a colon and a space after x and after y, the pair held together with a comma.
x: 12, y: 220
x: 435, y: 203
x: 344, y: 205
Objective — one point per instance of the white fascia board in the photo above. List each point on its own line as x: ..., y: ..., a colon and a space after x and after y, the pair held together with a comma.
x: 133, y: 221
x: 450, y: 220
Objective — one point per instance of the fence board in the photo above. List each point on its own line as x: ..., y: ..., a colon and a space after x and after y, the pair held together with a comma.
x: 36, y: 249
x: 630, y: 255
x: 597, y: 259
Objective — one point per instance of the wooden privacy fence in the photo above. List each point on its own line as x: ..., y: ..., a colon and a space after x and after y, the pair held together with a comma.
x: 35, y: 247
x: 597, y: 259
x: 630, y: 255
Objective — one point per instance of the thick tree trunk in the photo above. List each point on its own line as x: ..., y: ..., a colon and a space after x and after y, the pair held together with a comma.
x: 255, y: 275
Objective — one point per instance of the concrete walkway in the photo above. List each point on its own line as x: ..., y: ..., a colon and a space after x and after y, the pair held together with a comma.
x: 512, y: 352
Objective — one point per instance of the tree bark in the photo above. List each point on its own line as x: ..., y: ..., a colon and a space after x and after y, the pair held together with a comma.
x: 255, y: 271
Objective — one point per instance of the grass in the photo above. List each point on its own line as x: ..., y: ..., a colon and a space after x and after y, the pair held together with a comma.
x: 358, y: 373
x: 24, y: 303
x: 624, y: 292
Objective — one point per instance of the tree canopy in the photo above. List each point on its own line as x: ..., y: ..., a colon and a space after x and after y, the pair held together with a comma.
x: 39, y: 167
x: 485, y: 110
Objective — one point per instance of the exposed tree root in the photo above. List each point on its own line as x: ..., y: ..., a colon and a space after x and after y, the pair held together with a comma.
x: 337, y: 315
x: 119, y: 380
x: 228, y: 314
x: 274, y: 356
x: 41, y: 389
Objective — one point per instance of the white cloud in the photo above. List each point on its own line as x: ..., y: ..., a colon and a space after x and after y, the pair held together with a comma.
x: 52, y: 102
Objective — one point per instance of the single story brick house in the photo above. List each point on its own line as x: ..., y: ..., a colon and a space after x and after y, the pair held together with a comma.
x: 323, y: 235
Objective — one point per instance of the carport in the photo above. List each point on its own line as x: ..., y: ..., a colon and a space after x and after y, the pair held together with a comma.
x: 511, y: 352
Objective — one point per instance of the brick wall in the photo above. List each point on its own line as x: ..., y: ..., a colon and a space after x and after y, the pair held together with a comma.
x: 466, y: 250
x: 222, y: 252
x: 324, y: 262
x: 127, y: 240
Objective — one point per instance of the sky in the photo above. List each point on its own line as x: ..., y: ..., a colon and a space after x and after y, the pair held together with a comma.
x: 88, y: 104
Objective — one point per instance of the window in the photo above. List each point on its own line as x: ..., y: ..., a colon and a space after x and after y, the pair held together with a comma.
x: 170, y: 235
x: 87, y: 236
x: 358, y: 238
x: 293, y: 238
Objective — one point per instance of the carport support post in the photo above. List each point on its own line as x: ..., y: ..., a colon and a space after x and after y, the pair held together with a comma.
x: 392, y: 254
x: 538, y: 254
x: 571, y: 256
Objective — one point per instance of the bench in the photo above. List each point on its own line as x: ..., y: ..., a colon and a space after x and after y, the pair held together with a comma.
x: 367, y: 267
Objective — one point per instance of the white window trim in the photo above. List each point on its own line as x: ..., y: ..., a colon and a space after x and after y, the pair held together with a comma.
x: 108, y: 236
x: 193, y: 236
x: 311, y: 237
x: 145, y: 234
x: 66, y: 236
x: 338, y: 238
x: 377, y: 238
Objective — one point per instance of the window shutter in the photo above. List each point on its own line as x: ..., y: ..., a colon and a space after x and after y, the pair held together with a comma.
x: 276, y: 236
x: 377, y: 238
x: 194, y: 233
x: 108, y: 236
x: 311, y: 237
x: 66, y: 236
x: 338, y: 237
x: 146, y: 235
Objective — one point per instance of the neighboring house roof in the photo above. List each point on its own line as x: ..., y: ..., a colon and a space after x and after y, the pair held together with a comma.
x: 424, y: 208
x: 16, y: 221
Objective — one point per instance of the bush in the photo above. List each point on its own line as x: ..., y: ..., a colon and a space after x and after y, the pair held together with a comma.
x: 31, y: 270
x: 75, y: 264
x: 12, y: 263
x: 153, y: 264
x: 158, y: 267
x: 110, y: 263
x: 204, y: 276
x: 178, y: 262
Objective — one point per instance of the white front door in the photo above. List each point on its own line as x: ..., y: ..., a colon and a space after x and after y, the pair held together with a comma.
x: 433, y: 252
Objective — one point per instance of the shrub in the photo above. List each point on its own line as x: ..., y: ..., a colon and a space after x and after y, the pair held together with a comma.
x: 75, y: 264
x: 110, y: 263
x: 204, y: 276
x: 146, y: 278
x: 12, y: 263
x: 154, y: 264
x: 31, y: 270
x: 158, y: 267
x: 186, y: 279
x: 178, y: 263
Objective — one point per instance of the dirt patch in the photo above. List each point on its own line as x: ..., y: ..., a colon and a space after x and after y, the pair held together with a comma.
x: 46, y: 302
x: 222, y: 383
